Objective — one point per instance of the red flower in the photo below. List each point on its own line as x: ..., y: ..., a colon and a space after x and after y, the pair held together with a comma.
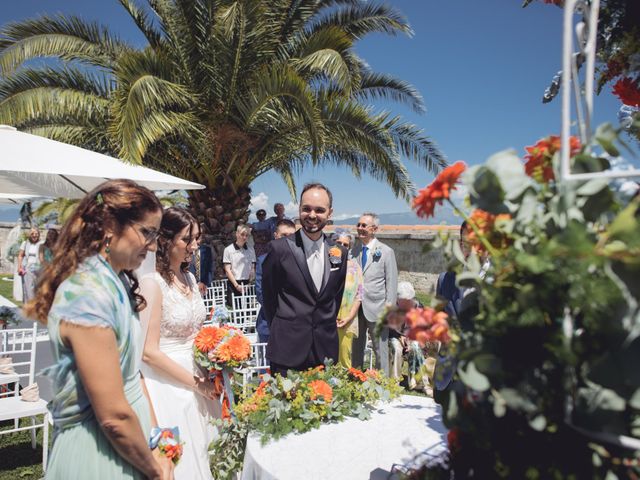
x: 438, y: 190
x: 627, y: 91
x: 539, y: 157
x: 453, y: 439
x: 357, y: 374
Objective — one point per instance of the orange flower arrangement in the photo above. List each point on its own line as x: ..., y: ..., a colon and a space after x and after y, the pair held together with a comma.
x: 485, y: 224
x: 335, y: 252
x: 539, y: 157
x: 439, y: 190
x: 320, y: 388
x: 427, y: 325
x: 358, y: 374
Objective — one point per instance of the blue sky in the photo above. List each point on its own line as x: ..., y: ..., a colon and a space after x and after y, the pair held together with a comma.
x: 481, y: 66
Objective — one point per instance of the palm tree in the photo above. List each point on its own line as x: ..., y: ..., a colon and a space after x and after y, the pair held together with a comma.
x: 223, y: 92
x: 57, y: 210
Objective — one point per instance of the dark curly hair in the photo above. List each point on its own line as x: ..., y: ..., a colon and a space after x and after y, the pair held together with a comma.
x: 112, y: 204
x: 174, y: 220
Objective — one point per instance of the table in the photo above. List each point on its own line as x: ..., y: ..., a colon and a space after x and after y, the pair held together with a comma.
x: 396, y: 433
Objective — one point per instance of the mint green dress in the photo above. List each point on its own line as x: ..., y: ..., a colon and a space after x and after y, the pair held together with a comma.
x: 93, y: 296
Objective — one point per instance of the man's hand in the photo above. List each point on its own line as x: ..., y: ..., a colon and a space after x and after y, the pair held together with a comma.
x: 203, y: 288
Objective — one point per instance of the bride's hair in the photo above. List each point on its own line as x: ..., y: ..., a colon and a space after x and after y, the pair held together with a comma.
x: 174, y: 220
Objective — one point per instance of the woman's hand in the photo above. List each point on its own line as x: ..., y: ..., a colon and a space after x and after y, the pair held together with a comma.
x: 166, y: 466
x: 341, y: 322
x: 206, y: 388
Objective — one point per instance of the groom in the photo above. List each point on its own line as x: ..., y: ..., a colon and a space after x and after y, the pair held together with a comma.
x: 302, y: 280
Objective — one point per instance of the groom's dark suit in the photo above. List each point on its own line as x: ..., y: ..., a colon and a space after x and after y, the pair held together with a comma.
x: 302, y: 321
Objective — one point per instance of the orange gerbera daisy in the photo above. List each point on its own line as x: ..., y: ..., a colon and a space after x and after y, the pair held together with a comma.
x: 335, y: 252
x: 439, y: 190
x: 370, y: 373
x: 359, y: 374
x: 539, y: 157
x: 239, y: 347
x: 320, y: 388
x: 485, y: 223
x: 208, y: 338
x: 427, y: 325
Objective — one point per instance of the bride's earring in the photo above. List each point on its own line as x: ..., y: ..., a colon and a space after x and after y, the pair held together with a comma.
x: 107, y: 247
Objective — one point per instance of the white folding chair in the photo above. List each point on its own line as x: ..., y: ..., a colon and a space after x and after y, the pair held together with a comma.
x: 20, y: 345
x: 244, y: 314
x: 246, y: 299
x: 257, y: 364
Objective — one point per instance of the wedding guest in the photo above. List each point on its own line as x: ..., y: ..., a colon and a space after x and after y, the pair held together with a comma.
x: 380, y: 273
x: 179, y: 392
x: 29, y: 263
x: 202, y: 264
x: 303, y: 279
x: 285, y: 228
x: 446, y: 287
x: 351, y: 300
x: 239, y: 262
x: 45, y: 254
x: 89, y: 300
x: 278, y: 209
x: 261, y: 233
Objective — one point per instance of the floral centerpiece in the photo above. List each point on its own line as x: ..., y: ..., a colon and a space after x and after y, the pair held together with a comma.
x: 545, y: 381
x: 219, y: 350
x: 298, y: 403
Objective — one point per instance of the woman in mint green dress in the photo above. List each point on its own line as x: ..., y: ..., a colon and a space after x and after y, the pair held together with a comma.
x: 88, y: 298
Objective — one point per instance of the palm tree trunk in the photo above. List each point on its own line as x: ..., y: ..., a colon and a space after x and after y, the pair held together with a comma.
x: 220, y: 210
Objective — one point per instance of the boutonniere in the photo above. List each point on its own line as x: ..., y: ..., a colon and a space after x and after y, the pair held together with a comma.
x: 335, y: 256
x: 377, y: 253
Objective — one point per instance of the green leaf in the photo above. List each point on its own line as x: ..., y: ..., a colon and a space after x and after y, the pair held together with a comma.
x: 485, y: 190
x: 473, y: 378
x: 287, y: 384
x: 634, y: 401
x: 510, y: 171
x: 606, y: 136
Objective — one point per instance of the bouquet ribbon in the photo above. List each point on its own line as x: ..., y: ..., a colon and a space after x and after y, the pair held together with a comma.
x: 222, y: 383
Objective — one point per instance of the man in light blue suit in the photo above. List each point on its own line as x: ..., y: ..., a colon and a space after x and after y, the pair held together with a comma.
x: 380, y: 273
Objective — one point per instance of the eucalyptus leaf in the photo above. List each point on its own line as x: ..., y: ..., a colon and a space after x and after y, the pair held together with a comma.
x: 287, y: 384
x: 634, y: 401
x: 606, y: 137
x: 510, y: 171
x: 538, y: 423
x: 473, y: 378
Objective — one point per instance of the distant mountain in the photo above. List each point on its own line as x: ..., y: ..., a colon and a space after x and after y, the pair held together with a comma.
x: 444, y: 216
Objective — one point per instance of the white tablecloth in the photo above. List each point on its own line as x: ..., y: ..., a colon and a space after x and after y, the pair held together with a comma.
x: 397, y: 433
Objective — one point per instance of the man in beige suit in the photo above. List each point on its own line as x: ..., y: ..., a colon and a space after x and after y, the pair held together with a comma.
x: 380, y: 273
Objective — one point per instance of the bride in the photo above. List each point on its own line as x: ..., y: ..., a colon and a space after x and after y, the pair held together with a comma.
x: 179, y: 394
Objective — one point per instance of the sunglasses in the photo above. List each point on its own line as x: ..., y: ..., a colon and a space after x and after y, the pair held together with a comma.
x: 150, y: 235
x: 362, y: 225
x: 344, y: 244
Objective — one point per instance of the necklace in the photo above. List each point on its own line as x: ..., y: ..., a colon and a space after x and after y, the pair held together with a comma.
x: 182, y: 287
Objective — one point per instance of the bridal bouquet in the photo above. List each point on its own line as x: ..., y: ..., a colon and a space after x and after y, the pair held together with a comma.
x: 219, y: 350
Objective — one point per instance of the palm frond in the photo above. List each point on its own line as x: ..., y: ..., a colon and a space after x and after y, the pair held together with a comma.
x: 67, y: 38
x: 360, y: 20
x: 379, y: 85
x: 141, y: 19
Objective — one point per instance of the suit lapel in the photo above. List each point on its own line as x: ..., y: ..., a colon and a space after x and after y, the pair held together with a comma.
x: 297, y: 249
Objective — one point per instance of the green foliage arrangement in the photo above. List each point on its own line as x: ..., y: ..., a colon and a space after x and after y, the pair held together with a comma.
x: 298, y: 403
x: 546, y: 381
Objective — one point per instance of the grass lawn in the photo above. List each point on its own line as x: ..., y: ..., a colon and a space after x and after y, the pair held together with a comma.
x: 6, y: 288
x: 19, y: 460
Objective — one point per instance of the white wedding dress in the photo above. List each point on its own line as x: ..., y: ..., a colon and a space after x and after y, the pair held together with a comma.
x: 175, y: 404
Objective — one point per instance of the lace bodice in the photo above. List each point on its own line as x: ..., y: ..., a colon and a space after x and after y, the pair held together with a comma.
x: 181, y: 317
